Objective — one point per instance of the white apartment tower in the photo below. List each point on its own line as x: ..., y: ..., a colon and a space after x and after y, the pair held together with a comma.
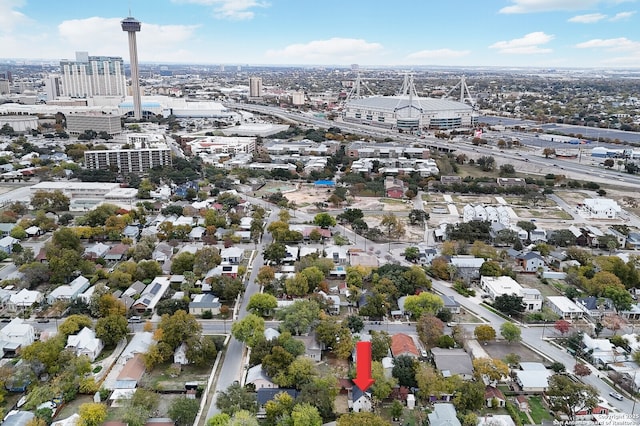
x: 89, y: 76
x: 255, y: 87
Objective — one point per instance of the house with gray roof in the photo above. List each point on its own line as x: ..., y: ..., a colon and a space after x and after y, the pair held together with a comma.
x: 204, y: 302
x: 70, y: 291
x: 443, y: 414
x: 453, y: 362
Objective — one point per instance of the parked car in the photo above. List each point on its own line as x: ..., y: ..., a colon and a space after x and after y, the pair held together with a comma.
x: 135, y: 319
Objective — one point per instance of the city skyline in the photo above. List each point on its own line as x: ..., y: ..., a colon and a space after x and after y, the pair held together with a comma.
x: 461, y: 33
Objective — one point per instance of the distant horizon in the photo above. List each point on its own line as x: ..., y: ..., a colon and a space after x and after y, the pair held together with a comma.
x: 403, y: 67
x: 539, y: 34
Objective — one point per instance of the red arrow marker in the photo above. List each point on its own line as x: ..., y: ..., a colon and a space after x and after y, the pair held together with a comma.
x: 363, y: 366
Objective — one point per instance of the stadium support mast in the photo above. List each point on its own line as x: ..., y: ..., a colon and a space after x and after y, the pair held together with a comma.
x: 464, y: 90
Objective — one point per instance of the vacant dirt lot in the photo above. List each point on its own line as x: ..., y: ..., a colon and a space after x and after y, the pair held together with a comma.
x: 500, y: 350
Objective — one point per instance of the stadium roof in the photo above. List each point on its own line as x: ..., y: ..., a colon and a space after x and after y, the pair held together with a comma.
x: 392, y: 103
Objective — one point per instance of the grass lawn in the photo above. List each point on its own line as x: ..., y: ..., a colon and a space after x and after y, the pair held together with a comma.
x: 391, y: 201
x: 538, y: 411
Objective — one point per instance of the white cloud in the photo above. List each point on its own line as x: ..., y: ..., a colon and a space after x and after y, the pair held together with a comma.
x: 611, y: 44
x: 332, y: 51
x: 438, y: 54
x: 529, y: 44
x: 10, y: 18
x: 588, y: 19
x: 104, y: 36
x: 532, y: 6
x: 234, y: 10
x: 622, y: 16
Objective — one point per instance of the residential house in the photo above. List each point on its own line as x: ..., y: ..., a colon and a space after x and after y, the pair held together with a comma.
x: 531, y: 261
x: 450, y: 304
x: 443, y: 414
x: 116, y: 253
x: 494, y: 395
x: 131, y: 294
x: 132, y: 371
x: 85, y: 343
x: 18, y: 418
x: 202, y: 303
x: 403, y: 344
x: 131, y: 231
x: 602, y: 351
x: 180, y: 355
x: 312, y: 347
x: 360, y: 401
x: 264, y: 395
x: 5, y: 228
x: 271, y: 334
x: 499, y: 286
x: 338, y: 254
x: 33, y: 231
x: 538, y: 235
x: 24, y: 299
x: 223, y: 270
x: 19, y: 332
x: 523, y: 403
x: 564, y: 307
x: 232, y: 255
x: 600, y: 208
x: 152, y: 295
x: 393, y: 188
x: 6, y: 244
x: 453, y: 362
x: 495, y: 420
x: 96, y: 251
x: 70, y: 291
x: 427, y: 254
x: 596, y: 307
x: 467, y: 267
x: 139, y: 344
x: 291, y: 254
x: 197, y: 233
x: 533, y: 377
x: 258, y: 378
x: 162, y: 252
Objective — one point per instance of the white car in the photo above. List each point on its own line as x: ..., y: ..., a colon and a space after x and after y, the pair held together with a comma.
x: 616, y: 395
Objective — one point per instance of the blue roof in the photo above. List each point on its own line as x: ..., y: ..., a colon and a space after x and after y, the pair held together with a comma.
x: 325, y: 182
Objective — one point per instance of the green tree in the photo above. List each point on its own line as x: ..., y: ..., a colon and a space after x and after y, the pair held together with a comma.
x: 490, y: 268
x: 404, y: 369
x: 202, y: 351
x: 183, y: 411
x: 275, y: 252
x: 220, y: 419
x: 469, y: 396
x: 383, y: 385
x: 361, y: 419
x: 509, y: 304
x: 355, y: 323
x: 73, y: 324
x: 205, y: 259
x: 569, y: 396
x: 510, y: 332
x: 243, y: 418
x: 262, y: 304
x: 50, y: 201
x: 350, y: 215
x: 313, y: 275
x: 412, y: 254
x: 249, y: 329
x: 324, y: 220
x: 112, y: 329
x: 297, y: 286
x: 380, y: 344
x: 300, y: 317
x: 306, y: 414
x: 182, y: 262
x: 423, y: 303
x: 236, y: 398
x: 177, y: 328
x: 321, y: 393
x: 18, y: 233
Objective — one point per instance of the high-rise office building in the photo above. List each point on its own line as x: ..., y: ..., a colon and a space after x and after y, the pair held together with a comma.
x: 132, y: 26
x: 255, y: 87
x: 53, y: 87
x: 89, y: 76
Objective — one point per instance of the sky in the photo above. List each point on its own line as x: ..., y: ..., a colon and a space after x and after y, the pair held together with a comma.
x: 464, y: 33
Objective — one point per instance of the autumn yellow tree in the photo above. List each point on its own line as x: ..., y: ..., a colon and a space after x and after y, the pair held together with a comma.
x: 492, y: 369
x: 92, y: 414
